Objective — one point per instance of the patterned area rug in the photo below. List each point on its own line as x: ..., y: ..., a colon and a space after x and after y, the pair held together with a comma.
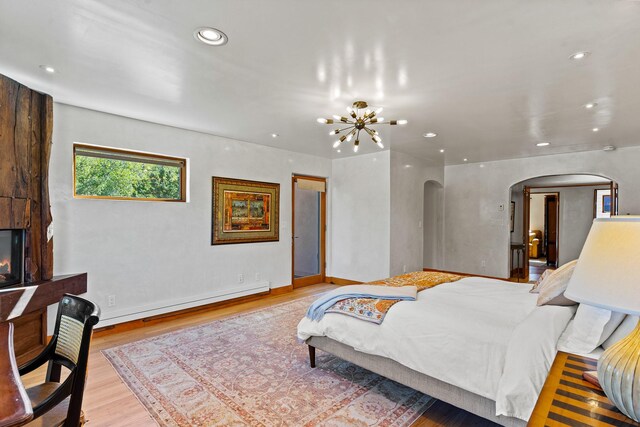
x: 251, y: 370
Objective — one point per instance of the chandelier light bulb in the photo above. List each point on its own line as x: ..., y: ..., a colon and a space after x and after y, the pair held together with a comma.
x: 360, y: 118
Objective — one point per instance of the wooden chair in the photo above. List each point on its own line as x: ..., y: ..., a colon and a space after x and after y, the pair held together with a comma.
x: 55, y: 403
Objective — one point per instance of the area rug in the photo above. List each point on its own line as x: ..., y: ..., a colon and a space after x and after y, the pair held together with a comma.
x: 250, y: 369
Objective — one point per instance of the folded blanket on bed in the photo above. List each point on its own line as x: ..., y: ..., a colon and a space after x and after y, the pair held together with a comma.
x: 373, y: 308
x: 376, y: 292
x: 420, y: 279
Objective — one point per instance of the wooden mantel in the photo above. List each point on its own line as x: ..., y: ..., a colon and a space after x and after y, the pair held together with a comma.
x: 26, y: 307
x: 15, y: 302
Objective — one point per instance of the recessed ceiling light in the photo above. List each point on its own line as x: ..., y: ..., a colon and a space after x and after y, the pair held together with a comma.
x: 464, y: 160
x: 430, y: 135
x: 542, y: 144
x: 609, y: 148
x: 481, y: 166
x: 48, y: 68
x: 579, y: 55
x: 590, y: 105
x: 339, y: 151
x: 210, y: 36
x: 274, y: 135
x: 442, y: 150
x: 595, y: 129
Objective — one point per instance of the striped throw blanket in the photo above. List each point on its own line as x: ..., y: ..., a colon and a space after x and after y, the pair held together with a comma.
x: 367, y: 303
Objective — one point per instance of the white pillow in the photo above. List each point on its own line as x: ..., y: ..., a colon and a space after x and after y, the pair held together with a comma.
x: 551, y: 290
x: 589, y: 329
x: 536, y: 286
x: 628, y: 324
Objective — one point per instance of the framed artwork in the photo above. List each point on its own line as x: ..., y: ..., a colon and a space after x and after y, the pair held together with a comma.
x: 606, y: 203
x: 244, y: 211
x: 602, y: 203
x: 512, y: 216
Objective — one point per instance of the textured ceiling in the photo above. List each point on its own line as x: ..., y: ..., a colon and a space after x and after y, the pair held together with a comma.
x: 491, y: 77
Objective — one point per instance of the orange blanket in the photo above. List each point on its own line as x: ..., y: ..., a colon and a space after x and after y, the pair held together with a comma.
x: 374, y: 310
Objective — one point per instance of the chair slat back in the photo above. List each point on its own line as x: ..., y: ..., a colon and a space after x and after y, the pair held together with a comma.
x: 76, y: 317
x: 69, y: 338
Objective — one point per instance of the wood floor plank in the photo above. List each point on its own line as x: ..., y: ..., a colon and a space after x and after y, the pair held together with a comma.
x: 108, y: 401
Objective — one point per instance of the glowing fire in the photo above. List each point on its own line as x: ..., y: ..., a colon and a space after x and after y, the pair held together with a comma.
x: 5, y: 266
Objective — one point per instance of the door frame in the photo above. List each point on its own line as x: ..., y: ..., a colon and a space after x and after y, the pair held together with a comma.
x: 546, y: 220
x: 318, y: 278
x: 526, y: 222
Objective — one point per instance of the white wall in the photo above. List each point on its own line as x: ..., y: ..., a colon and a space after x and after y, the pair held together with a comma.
x: 153, y: 254
x: 408, y: 175
x: 476, y: 230
x: 360, y: 216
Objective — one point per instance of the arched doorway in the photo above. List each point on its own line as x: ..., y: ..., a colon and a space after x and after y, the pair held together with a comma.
x: 551, y: 217
x: 433, y: 225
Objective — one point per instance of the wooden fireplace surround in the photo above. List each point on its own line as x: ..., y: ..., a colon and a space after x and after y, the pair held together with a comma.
x: 26, y: 126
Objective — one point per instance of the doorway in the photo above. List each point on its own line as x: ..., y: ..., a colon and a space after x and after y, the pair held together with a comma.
x: 308, y: 228
x: 544, y: 234
x: 552, y: 216
x: 432, y: 225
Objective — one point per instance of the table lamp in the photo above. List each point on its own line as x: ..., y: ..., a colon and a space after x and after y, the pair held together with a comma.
x: 607, y: 275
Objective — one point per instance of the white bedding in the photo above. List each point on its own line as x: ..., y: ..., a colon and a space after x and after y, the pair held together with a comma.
x: 485, y: 336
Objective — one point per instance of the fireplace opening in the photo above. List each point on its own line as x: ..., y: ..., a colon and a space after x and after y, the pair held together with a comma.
x: 11, y: 257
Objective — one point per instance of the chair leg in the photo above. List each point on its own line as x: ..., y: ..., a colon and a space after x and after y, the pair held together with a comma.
x: 312, y: 356
x: 53, y: 372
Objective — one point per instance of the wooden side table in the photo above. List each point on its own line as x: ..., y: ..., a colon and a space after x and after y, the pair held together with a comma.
x: 568, y: 400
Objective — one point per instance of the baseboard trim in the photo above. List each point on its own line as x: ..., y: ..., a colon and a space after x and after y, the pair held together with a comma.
x: 158, y: 318
x: 281, y: 290
x: 340, y: 281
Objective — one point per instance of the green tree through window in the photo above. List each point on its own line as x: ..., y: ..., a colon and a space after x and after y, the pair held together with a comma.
x: 119, y: 174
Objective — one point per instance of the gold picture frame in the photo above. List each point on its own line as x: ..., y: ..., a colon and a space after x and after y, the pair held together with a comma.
x: 244, y: 211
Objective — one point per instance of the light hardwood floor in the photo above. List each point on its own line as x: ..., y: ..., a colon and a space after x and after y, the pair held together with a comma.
x: 108, y: 401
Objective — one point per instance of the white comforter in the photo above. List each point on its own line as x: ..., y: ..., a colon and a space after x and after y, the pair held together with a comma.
x: 485, y: 336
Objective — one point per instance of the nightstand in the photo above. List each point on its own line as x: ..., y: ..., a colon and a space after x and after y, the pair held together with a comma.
x: 568, y: 400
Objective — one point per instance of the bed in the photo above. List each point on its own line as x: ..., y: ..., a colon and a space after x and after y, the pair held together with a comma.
x: 479, y: 344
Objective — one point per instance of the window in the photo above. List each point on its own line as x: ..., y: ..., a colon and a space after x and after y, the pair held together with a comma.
x: 109, y: 173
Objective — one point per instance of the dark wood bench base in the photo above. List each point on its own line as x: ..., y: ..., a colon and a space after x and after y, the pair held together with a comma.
x: 312, y: 356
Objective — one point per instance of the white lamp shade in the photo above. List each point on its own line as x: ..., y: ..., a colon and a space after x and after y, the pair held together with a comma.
x: 607, y: 274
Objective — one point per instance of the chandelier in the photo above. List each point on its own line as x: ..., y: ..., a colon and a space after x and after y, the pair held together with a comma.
x: 361, y: 118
